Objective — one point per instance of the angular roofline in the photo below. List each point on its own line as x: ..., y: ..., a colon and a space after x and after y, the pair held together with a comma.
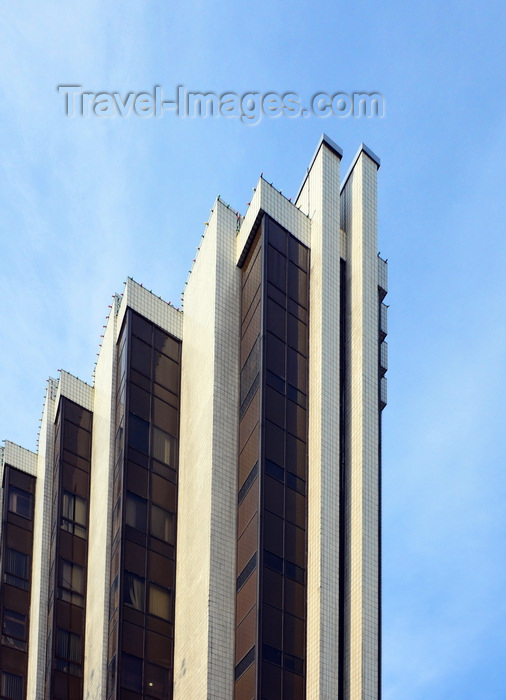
x: 324, y: 139
x: 361, y: 149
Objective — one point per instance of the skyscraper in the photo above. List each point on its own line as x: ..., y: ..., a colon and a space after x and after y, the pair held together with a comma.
x: 203, y: 520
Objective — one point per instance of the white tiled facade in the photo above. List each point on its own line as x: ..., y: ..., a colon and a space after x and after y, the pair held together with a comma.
x: 337, y: 222
x: 205, y: 589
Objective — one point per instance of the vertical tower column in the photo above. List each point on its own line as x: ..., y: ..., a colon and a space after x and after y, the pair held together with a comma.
x: 362, y: 538
x: 102, y: 464
x: 41, y: 543
x: 205, y: 596
x: 319, y: 198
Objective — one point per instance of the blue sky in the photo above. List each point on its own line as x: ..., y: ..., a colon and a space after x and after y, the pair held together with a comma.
x: 84, y: 203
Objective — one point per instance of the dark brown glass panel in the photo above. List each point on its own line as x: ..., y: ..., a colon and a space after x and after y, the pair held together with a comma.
x: 297, y: 334
x: 19, y: 538
x: 75, y: 480
x: 276, y: 268
x: 274, y: 355
x: 140, y: 402
x: 296, y: 369
x: 272, y: 626
x: 295, y: 419
x: 252, y: 309
x: 163, y: 492
x: 251, y: 285
x: 275, y: 407
x: 248, y: 456
x: 137, y: 479
x: 132, y: 639
x: 293, y: 686
x: 160, y: 648
x: 165, y: 416
x: 21, y: 480
x: 135, y: 558
x: 272, y: 590
x: 140, y: 380
x: 249, y: 421
x: 163, y: 447
x: 296, y: 455
x: 276, y: 295
x: 273, y: 533
x: 277, y: 236
x: 246, y: 635
x: 293, y: 635
x: 248, y: 508
x: 276, y: 319
x: 295, y: 544
x: 20, y: 501
x: 161, y: 569
x: 298, y: 253
x: 245, y: 685
x: 160, y: 602
x: 274, y: 443
x: 298, y: 311
x: 161, y: 524
x: 164, y: 470
x: 140, y: 356
x: 141, y: 328
x: 131, y: 674
x: 169, y: 346
x: 167, y: 372
x: 166, y: 395
x: 295, y: 507
x: 271, y: 682
x: 247, y: 544
x: 274, y: 496
x: 78, y: 415
x: 138, y: 434
x: 136, y: 511
x: 76, y: 461
x: 246, y: 597
x: 77, y: 440
x: 251, y: 333
x: 157, y: 681
x: 297, y: 285
x: 295, y: 597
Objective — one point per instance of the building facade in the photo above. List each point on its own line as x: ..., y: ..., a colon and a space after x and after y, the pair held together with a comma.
x: 203, y: 520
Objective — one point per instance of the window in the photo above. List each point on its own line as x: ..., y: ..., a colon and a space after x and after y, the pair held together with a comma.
x: 77, y: 440
x: 113, y: 603
x: 136, y: 509
x: 131, y: 677
x: 11, y: 686
x: 133, y: 591
x: 74, y: 516
x: 138, y: 433
x: 71, y: 582
x: 17, y: 569
x: 166, y: 372
x: 160, y: 602
x: 162, y: 524
x: 14, y: 629
x: 68, y: 652
x: 163, y: 447
x: 111, y: 676
x: 20, y: 502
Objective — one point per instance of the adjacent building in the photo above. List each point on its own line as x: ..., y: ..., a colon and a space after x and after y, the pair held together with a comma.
x: 202, y: 521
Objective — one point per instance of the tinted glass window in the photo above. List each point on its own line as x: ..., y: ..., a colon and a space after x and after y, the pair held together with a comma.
x: 17, y: 569
x: 133, y: 591
x: 20, y: 502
